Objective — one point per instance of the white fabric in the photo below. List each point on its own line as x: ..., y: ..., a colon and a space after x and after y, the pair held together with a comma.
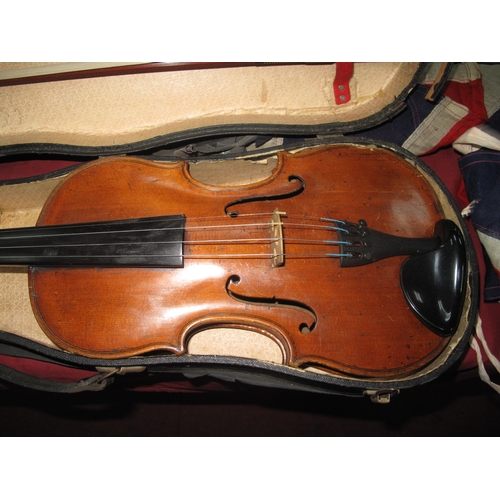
x: 435, y: 126
x: 476, y: 138
x: 483, y: 374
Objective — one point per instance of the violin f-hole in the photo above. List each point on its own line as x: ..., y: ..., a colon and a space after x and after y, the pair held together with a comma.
x: 282, y: 196
x: 304, y: 327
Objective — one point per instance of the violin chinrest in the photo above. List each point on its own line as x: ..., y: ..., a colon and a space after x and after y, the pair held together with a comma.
x: 433, y: 283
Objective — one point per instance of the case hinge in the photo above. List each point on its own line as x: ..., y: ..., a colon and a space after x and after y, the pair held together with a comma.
x: 382, y: 396
x: 122, y: 370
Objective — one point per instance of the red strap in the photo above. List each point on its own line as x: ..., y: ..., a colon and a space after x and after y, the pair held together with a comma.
x: 343, y: 76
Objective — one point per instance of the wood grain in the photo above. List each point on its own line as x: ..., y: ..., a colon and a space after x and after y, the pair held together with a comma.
x: 361, y: 324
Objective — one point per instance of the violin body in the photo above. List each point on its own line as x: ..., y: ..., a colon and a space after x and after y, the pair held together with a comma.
x: 351, y: 321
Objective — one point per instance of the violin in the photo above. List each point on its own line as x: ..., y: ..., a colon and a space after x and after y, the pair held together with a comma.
x: 346, y: 257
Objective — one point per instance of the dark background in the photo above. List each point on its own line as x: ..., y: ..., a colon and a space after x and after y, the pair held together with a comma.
x: 454, y: 405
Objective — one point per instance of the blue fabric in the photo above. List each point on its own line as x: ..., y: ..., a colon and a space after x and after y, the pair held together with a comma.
x: 399, y: 128
x: 481, y: 173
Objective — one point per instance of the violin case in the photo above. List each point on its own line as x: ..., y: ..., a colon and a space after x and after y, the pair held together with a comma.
x: 231, y: 124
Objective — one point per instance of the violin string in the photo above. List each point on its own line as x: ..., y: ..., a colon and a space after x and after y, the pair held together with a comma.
x: 265, y: 224
x: 204, y: 256
x: 269, y: 256
x: 263, y: 240
x: 189, y: 230
x: 244, y: 241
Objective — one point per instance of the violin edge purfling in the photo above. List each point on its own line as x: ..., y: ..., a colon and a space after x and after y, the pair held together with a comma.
x: 145, y: 317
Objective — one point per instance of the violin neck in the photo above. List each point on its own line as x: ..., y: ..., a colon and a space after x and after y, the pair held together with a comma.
x: 144, y: 242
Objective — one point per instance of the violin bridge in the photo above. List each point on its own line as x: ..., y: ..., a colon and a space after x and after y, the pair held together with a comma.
x: 277, y: 245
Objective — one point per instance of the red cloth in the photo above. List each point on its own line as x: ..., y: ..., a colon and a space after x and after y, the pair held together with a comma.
x: 23, y: 169
x: 45, y: 370
x: 470, y: 95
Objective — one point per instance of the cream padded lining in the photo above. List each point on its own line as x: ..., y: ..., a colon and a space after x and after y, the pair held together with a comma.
x: 20, y: 205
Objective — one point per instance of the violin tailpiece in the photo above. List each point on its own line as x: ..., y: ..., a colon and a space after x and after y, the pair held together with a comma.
x: 433, y: 276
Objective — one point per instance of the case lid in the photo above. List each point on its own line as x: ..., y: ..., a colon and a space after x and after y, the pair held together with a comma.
x: 173, y: 102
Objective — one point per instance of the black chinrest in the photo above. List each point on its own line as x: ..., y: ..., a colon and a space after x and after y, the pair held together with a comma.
x: 433, y: 283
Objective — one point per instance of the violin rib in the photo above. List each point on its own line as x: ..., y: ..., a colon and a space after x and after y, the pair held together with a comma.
x: 348, y: 320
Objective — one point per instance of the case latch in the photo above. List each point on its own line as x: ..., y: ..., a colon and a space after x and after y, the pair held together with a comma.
x: 382, y: 396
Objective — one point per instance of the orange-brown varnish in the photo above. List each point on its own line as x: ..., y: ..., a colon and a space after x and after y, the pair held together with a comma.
x: 363, y: 324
